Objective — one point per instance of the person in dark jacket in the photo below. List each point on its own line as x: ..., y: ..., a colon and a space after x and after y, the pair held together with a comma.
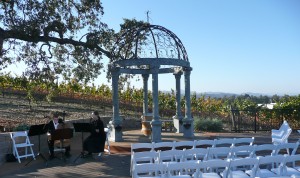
x: 54, y: 124
x: 95, y: 142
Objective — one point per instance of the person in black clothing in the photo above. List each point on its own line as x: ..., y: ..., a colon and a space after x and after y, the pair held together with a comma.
x: 52, y: 126
x: 95, y: 142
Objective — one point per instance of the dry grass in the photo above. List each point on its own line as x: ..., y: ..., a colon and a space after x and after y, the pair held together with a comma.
x: 15, y: 111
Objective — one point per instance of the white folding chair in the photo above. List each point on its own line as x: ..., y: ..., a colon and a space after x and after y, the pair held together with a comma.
x: 148, y: 171
x: 163, y: 146
x: 268, y: 163
x: 107, y: 131
x: 22, y: 148
x: 238, y: 167
x: 212, y: 169
x: 196, y: 154
x: 264, y: 150
x: 243, y: 141
x: 143, y: 158
x: 282, y: 134
x: 291, y: 165
x: 170, y: 156
x: 139, y: 147
x: 204, y: 143
x: 243, y: 151
x: 224, y: 142
x: 285, y: 148
x: 180, y: 145
x: 181, y: 169
x: 219, y: 153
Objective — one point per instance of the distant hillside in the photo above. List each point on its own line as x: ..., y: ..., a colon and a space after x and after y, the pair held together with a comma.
x: 221, y: 94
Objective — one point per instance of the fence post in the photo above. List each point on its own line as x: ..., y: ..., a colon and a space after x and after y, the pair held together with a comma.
x: 255, y: 116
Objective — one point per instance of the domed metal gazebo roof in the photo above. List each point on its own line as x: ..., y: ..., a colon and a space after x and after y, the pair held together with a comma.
x: 143, y: 46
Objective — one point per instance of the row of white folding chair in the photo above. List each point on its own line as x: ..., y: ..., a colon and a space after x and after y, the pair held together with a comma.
x: 225, y: 142
x: 169, y: 156
x: 243, y: 151
x: 191, y: 144
x: 221, y: 152
x: 205, y: 169
x: 252, y: 151
x: 267, y: 166
x: 224, y: 152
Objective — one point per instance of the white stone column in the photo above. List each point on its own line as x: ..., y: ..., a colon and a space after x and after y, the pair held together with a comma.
x: 116, y: 123
x: 177, y: 119
x: 155, y: 123
x: 188, y: 122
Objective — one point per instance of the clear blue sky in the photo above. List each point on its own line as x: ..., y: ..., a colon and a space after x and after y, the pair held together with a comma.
x: 234, y: 46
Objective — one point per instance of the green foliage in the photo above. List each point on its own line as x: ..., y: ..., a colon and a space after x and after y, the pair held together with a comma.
x: 54, y: 38
x: 210, y: 125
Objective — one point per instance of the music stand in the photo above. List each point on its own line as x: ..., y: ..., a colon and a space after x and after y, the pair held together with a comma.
x: 61, y: 134
x: 81, y: 127
x: 38, y: 130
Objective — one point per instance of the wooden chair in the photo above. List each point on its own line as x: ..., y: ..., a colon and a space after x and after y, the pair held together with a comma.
x: 62, y: 136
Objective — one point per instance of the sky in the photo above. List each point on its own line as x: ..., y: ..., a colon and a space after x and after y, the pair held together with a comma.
x: 234, y: 46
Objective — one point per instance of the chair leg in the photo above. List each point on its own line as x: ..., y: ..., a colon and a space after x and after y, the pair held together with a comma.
x: 17, y: 154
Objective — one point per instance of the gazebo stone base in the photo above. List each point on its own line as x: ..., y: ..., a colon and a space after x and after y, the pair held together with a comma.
x: 156, y: 131
x: 178, y: 124
x: 188, y: 128
x: 116, y: 134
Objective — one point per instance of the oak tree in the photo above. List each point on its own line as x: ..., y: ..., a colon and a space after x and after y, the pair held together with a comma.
x: 54, y: 38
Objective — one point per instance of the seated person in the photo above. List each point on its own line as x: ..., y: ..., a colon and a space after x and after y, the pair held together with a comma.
x: 96, y: 141
x: 56, y: 123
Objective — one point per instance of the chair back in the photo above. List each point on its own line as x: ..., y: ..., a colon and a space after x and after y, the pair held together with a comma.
x: 243, y: 141
x: 219, y: 153
x: 213, y: 168
x: 281, y: 135
x: 181, y: 168
x: 163, y: 146
x: 196, y: 154
x: 170, y: 156
x: 180, y: 145
x: 140, y: 147
x: 243, y: 151
x: 287, y: 148
x: 224, y: 142
x: 264, y: 150
x: 20, y: 140
x: 141, y: 170
x: 204, y: 143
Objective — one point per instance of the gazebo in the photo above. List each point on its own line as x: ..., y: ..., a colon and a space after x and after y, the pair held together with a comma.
x: 151, y: 50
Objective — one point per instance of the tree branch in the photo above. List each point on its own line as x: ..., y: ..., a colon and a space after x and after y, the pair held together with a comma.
x: 35, y: 39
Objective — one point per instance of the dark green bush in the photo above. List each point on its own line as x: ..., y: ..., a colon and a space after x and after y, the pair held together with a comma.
x: 21, y: 127
x: 211, y: 125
